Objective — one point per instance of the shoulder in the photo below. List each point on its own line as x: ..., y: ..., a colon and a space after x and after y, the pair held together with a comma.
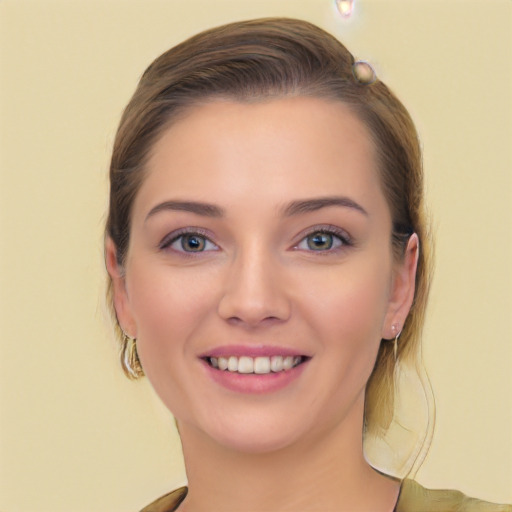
x: 168, y: 502
x: 415, y: 498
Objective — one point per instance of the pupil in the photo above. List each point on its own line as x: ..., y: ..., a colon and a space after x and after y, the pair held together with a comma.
x: 320, y: 241
x: 192, y: 243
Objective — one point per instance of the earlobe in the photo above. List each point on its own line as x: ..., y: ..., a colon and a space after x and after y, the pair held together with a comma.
x: 403, y: 288
x: 119, y: 294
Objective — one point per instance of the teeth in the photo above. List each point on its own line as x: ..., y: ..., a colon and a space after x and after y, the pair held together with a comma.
x: 276, y: 364
x: 259, y: 365
x: 245, y: 365
x: 233, y: 364
x: 287, y: 362
x: 262, y: 365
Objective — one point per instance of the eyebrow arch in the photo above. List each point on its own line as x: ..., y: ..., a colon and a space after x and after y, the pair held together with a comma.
x: 311, y: 205
x: 204, y: 209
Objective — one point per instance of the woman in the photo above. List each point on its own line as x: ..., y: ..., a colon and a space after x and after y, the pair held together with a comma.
x: 269, y: 262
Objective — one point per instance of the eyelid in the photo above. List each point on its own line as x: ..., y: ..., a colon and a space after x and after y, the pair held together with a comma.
x: 346, y: 239
x: 336, y: 231
x: 172, y: 237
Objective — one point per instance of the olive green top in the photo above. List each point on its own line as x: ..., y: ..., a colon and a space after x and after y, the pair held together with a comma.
x: 413, y: 498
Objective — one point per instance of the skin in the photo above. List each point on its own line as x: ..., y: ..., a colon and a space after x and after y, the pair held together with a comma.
x: 258, y: 282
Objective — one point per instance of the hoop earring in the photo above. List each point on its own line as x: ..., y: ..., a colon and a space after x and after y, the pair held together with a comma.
x: 130, y: 358
x: 397, y: 333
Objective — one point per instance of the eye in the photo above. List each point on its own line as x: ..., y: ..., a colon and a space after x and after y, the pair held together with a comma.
x: 323, y: 240
x: 190, y: 242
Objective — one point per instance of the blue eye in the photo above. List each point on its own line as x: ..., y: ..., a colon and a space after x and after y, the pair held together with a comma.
x: 322, y: 241
x: 191, y: 242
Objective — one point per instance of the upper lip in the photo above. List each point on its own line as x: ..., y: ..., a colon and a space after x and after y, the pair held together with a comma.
x: 252, y: 351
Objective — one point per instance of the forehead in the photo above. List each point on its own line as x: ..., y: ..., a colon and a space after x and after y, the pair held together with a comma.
x: 277, y: 149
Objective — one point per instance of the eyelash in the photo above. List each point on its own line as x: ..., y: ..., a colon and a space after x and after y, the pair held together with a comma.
x: 174, y: 237
x: 343, y: 238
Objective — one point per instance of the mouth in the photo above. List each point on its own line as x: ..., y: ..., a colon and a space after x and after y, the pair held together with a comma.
x: 260, y: 365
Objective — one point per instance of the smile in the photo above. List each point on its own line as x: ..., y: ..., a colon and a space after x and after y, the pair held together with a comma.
x: 259, y: 365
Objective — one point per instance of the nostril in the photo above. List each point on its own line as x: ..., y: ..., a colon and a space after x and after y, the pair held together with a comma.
x: 253, y: 293
x: 237, y: 321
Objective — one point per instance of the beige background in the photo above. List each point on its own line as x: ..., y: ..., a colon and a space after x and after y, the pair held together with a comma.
x: 75, y: 435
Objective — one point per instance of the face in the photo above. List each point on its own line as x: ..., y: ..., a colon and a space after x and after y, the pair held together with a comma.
x: 261, y: 241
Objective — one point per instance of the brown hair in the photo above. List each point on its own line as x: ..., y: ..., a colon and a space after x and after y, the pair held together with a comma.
x: 275, y: 57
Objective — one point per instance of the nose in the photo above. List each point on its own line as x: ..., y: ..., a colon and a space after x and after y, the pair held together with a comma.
x: 254, y: 291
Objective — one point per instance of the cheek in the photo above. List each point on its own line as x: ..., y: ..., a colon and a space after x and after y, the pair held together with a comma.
x: 168, y: 306
x: 171, y: 308
x: 353, y: 302
x: 348, y: 313
x: 344, y: 311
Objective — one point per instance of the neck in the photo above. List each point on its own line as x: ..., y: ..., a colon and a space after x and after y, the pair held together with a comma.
x: 325, y: 472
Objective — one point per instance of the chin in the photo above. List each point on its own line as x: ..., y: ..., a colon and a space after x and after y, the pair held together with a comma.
x: 261, y: 441
x: 250, y: 434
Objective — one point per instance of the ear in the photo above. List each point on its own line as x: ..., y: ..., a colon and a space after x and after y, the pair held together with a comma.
x: 119, y: 293
x: 402, y: 289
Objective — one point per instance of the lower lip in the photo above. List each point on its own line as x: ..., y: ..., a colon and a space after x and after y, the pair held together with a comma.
x: 254, y: 383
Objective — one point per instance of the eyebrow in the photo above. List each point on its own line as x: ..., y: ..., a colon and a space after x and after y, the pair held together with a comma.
x: 311, y: 205
x: 204, y: 209
x: 294, y: 208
